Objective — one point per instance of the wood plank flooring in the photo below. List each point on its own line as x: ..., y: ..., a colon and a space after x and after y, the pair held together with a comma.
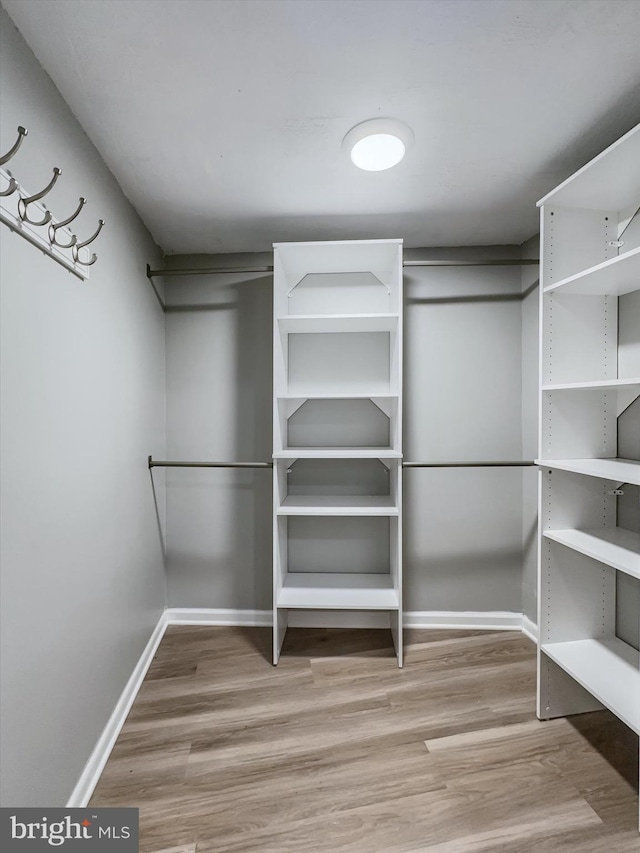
x: 336, y: 750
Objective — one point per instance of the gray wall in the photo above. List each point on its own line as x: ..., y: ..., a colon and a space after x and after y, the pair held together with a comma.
x: 463, y: 400
x: 82, y: 406
x: 219, y: 381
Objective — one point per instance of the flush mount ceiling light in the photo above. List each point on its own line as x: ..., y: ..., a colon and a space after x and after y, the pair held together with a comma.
x: 378, y: 144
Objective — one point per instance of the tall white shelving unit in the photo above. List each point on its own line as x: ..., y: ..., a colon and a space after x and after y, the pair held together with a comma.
x: 589, y: 374
x: 337, y: 430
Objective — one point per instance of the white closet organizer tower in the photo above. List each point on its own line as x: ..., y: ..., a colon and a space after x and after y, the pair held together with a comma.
x: 589, y: 374
x: 337, y: 430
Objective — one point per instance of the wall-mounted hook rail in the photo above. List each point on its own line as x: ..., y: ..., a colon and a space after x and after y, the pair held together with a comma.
x: 22, y: 132
x: 23, y: 219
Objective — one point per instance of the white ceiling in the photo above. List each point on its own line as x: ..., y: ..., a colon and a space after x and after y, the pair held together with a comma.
x: 223, y: 119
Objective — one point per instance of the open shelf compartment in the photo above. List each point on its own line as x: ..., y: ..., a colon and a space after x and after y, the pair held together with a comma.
x: 334, y: 487
x: 615, y: 470
x: 362, y: 423
x: 612, y: 546
x: 358, y: 362
x: 337, y: 563
x: 341, y: 591
x: 607, y: 668
x: 344, y: 277
x: 615, y: 276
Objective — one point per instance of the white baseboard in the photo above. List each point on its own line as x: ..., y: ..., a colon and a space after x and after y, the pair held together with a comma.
x: 529, y: 628
x: 478, y: 621
x: 210, y: 616
x: 463, y: 620
x: 95, y: 765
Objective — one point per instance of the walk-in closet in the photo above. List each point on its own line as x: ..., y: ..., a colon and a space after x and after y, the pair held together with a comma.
x: 320, y: 425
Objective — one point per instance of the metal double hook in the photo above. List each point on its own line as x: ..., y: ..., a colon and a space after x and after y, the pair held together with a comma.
x: 13, y: 184
x: 12, y: 187
x: 23, y: 203
x: 54, y: 228
x: 75, y: 248
x: 22, y: 132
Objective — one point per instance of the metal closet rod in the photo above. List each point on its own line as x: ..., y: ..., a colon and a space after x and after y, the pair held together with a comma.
x: 524, y: 464
x: 501, y: 262
x: 153, y: 463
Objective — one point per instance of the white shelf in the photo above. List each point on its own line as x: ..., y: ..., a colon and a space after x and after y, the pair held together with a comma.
x: 589, y: 375
x: 311, y: 394
x: 331, y: 323
x: 608, y: 669
x: 599, y: 385
x: 617, y: 470
x: 337, y: 352
x: 611, y: 181
x: 613, y: 546
x: 616, y: 276
x: 349, y: 505
x: 338, y: 453
x: 329, y: 591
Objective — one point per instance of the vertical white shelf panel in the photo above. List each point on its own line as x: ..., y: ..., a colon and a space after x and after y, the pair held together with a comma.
x: 337, y: 447
x: 589, y: 369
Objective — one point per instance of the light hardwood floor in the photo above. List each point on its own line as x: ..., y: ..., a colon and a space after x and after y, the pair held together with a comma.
x: 336, y: 750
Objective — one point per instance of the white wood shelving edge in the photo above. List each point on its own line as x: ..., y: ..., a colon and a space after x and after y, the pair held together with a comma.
x: 597, y: 385
x: 309, y: 394
x: 349, y: 505
x: 616, y: 276
x: 338, y: 453
x: 338, y: 591
x: 608, y: 669
x: 610, y: 545
x: 617, y: 470
x: 325, y: 323
x: 611, y: 181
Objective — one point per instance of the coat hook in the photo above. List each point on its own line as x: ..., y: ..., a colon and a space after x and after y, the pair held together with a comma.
x: 22, y: 132
x: 53, y: 228
x: 76, y: 253
x: 13, y: 186
x: 23, y: 203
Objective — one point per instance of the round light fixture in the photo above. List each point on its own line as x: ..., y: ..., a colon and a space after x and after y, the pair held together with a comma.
x: 378, y: 144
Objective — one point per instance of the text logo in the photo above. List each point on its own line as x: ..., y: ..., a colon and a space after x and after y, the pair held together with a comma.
x: 31, y: 830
